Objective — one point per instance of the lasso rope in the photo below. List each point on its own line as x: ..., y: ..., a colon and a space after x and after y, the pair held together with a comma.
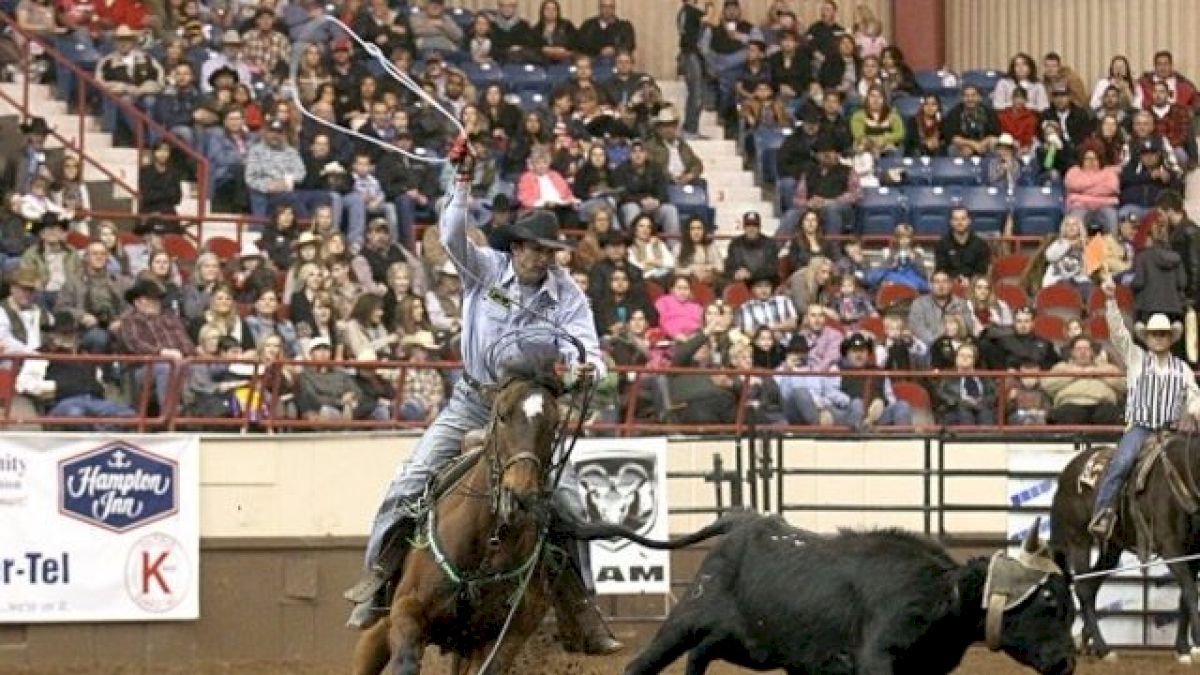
x: 376, y: 53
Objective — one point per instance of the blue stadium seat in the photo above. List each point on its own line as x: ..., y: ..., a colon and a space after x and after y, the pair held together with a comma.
x: 954, y: 171
x: 785, y: 190
x: 526, y: 77
x: 949, y: 99
x: 463, y: 17
x: 989, y: 208
x: 528, y: 101
x: 929, y: 207
x: 880, y: 209
x: 1037, y: 210
x: 984, y: 79
x: 916, y: 169
x: 456, y: 58
x: 766, y: 149
x: 937, y: 82
x: 906, y: 106
x: 559, y: 73
x: 687, y: 195
x: 481, y: 75
x: 602, y: 72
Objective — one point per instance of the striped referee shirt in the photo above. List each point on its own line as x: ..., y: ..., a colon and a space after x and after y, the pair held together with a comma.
x: 1160, y: 393
x: 754, y: 314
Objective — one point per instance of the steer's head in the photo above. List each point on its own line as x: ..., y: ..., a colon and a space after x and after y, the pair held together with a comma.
x: 1030, y: 609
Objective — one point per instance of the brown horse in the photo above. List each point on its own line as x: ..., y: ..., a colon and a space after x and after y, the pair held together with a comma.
x: 1174, y: 533
x: 484, y: 545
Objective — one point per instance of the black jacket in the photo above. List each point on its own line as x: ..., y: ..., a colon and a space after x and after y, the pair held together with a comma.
x: 762, y: 256
x: 796, y: 154
x: 516, y: 44
x: 1185, y: 240
x: 594, y: 37
x: 797, y: 75
x: 651, y: 181
x: 690, y: 20
x: 1159, y: 282
x: 1079, y: 124
x: 161, y: 190
x: 962, y: 260
x: 974, y: 127
x: 1139, y: 187
x: 398, y: 174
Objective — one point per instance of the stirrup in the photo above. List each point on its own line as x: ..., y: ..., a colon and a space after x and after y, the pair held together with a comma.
x: 1101, y: 525
x: 365, y: 590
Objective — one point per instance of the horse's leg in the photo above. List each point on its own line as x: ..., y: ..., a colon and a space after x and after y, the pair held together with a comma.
x: 407, y: 636
x: 371, y: 653
x: 1087, y: 590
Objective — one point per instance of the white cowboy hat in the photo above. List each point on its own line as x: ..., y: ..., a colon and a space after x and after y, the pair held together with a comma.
x: 124, y: 32
x: 306, y: 238
x: 667, y: 116
x: 1007, y: 139
x: 1158, y: 323
x: 318, y: 342
x: 423, y: 339
x: 250, y: 251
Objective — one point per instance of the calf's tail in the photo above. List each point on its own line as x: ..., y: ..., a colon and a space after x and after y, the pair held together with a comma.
x: 582, y: 531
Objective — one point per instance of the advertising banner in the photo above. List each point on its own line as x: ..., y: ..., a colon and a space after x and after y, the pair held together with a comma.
x: 99, y: 528
x: 624, y: 481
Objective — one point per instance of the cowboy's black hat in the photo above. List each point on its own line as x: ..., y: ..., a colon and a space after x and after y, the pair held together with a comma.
x: 857, y: 341
x: 35, y: 125
x: 144, y: 288
x: 223, y: 70
x: 49, y: 219
x: 539, y: 226
x: 764, y: 275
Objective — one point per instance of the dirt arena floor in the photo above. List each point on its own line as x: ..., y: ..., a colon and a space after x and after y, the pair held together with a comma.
x: 541, y: 658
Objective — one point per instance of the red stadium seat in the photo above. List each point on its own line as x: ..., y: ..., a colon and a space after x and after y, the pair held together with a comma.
x: 179, y: 248
x: 736, y: 293
x: 872, y: 325
x: 1097, y: 300
x: 1060, y: 299
x: 1050, y: 327
x: 703, y: 293
x: 917, y: 397
x: 1097, y: 328
x: 78, y: 240
x: 1009, y: 267
x: 223, y: 247
x: 128, y: 238
x: 890, y: 294
x: 1013, y: 295
x: 653, y: 290
x: 785, y: 268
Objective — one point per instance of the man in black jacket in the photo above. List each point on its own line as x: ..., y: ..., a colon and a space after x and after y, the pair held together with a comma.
x: 410, y: 184
x: 751, y: 255
x: 961, y: 253
x: 645, y: 191
x: 691, y: 64
x: 1074, y: 122
x: 513, y: 39
x: 1185, y: 240
x: 605, y: 34
x: 1021, y: 346
x: 971, y: 127
x: 796, y: 155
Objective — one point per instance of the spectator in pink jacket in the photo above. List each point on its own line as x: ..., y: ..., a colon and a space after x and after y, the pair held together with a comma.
x: 543, y: 188
x: 679, y: 315
x: 1093, y: 191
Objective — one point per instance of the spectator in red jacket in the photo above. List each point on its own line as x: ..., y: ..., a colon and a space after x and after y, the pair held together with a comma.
x: 544, y: 188
x: 1183, y: 92
x: 1020, y: 120
x: 1173, y: 122
x: 112, y: 13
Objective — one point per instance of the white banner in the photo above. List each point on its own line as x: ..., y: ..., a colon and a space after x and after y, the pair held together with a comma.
x: 99, y: 529
x: 1118, y: 593
x: 624, y: 481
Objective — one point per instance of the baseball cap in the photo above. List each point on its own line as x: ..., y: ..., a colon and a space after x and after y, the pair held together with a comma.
x: 751, y: 218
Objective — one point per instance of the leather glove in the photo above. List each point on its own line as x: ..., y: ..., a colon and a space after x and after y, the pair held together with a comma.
x: 462, y: 155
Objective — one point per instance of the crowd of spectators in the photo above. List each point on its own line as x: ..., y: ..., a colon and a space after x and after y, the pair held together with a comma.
x: 338, y: 268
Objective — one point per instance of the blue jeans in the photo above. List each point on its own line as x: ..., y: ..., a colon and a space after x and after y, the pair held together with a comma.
x: 691, y: 68
x: 442, y: 442
x: 406, y: 221
x: 262, y: 204
x: 412, y: 410
x: 1120, y: 466
x: 666, y: 216
x: 802, y: 409
x: 95, y: 340
x: 898, y: 414
x: 161, y: 373
x: 307, y: 201
x: 86, y: 405
x: 837, y: 219
x: 1105, y: 218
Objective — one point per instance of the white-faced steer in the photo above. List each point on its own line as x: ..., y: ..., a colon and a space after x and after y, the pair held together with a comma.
x: 870, y: 603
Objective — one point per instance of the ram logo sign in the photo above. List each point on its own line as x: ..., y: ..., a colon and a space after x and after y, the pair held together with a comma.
x: 118, y: 487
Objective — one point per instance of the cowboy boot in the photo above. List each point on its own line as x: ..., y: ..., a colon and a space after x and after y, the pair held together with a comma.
x: 369, y: 593
x: 581, y: 628
x: 1102, y: 524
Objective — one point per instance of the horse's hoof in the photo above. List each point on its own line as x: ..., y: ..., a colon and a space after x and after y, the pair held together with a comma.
x: 1111, y: 657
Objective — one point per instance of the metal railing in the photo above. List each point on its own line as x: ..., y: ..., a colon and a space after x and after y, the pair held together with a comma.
x: 85, y: 82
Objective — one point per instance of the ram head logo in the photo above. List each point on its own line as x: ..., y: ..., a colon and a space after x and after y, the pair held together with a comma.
x: 620, y: 492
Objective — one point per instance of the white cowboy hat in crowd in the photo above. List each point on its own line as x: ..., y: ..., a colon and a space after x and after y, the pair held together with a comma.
x: 1158, y: 323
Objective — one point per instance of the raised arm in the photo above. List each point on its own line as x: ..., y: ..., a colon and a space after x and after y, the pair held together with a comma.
x: 1117, y: 331
x: 476, y: 264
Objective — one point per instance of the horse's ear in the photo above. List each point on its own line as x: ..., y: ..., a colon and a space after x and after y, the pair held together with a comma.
x: 1033, y: 542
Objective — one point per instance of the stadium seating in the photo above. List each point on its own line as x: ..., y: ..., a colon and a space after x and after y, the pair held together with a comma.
x: 891, y: 294
x: 482, y: 75
x: 984, y: 79
x: 1012, y: 295
x: 1060, y: 300
x: 1050, y: 327
x: 223, y: 247
x: 937, y: 82
x: 880, y: 210
x: 929, y: 207
x: 1009, y: 266
x: 520, y: 78
x: 1037, y: 210
x: 906, y: 106
x: 954, y: 171
x: 989, y: 208
x: 916, y: 170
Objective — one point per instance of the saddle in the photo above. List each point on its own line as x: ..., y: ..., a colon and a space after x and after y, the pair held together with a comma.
x: 1150, y: 455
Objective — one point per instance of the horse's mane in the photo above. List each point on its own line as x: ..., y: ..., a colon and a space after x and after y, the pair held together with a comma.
x: 536, y: 370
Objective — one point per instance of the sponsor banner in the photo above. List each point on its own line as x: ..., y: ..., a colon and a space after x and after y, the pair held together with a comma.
x: 1121, y: 592
x: 624, y: 481
x: 99, y: 529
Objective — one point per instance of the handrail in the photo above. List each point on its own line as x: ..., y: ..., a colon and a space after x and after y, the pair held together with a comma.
x: 141, y: 119
x: 264, y: 386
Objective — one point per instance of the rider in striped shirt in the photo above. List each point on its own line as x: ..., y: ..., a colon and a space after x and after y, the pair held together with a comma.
x: 1162, y: 389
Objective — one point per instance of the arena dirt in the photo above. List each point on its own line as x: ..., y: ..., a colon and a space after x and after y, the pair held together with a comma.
x: 541, y: 657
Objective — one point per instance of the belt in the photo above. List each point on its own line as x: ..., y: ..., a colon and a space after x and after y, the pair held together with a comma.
x: 472, y: 382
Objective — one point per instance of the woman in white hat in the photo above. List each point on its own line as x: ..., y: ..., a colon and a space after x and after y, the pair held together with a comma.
x: 1162, y: 391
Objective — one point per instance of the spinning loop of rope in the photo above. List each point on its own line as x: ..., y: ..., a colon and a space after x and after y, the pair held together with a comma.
x: 376, y: 53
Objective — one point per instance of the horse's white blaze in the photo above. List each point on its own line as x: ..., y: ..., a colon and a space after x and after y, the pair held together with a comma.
x: 532, y: 407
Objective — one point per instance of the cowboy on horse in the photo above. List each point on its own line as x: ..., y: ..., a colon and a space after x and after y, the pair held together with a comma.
x: 1162, y: 388
x: 510, y: 291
